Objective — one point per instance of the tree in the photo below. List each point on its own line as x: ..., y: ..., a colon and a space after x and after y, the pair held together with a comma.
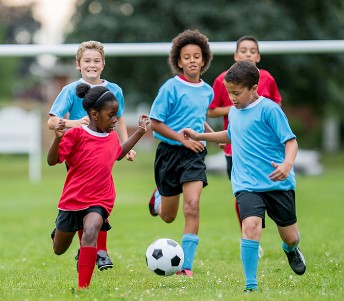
x: 304, y: 78
x: 16, y: 26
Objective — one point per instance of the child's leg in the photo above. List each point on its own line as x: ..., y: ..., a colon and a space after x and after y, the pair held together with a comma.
x: 290, y: 241
x: 191, y: 192
x: 101, y: 241
x: 62, y: 241
x: 251, y: 231
x: 189, y: 245
x: 88, y: 251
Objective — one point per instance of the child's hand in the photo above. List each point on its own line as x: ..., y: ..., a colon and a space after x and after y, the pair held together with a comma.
x: 281, y: 171
x: 60, y: 129
x: 143, y: 122
x: 130, y: 156
x: 84, y: 120
x: 222, y: 145
x: 188, y: 133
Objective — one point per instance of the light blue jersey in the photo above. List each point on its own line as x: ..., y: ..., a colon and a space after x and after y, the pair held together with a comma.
x: 181, y: 104
x: 258, y: 135
x: 68, y: 102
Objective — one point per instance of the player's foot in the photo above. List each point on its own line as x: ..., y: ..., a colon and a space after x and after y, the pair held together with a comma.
x: 249, y: 290
x: 103, y: 261
x: 296, y: 261
x: 185, y: 272
x: 152, y: 203
x: 260, y: 252
x: 52, y: 235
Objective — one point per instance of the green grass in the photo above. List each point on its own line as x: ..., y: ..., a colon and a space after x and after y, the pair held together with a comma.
x: 29, y: 270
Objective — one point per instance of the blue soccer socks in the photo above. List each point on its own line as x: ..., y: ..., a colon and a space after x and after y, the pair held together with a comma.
x: 189, y: 245
x: 249, y: 257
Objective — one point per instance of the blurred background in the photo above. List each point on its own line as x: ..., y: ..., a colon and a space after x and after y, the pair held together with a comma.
x: 311, y: 83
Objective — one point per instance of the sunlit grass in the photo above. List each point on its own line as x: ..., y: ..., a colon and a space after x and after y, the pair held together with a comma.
x: 30, y: 271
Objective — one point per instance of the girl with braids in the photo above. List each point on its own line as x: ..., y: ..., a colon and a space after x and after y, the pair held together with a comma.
x: 90, y: 152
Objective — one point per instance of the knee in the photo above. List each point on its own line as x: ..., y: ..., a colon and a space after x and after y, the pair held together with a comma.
x: 251, y: 229
x: 168, y: 218
x: 292, y: 240
x: 89, y: 235
x: 58, y: 251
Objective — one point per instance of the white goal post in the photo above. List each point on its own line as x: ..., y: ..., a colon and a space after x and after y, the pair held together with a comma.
x: 160, y: 49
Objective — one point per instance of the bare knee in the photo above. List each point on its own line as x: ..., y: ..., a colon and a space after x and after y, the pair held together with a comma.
x: 89, y: 236
x: 168, y: 218
x: 58, y: 250
x: 291, y: 240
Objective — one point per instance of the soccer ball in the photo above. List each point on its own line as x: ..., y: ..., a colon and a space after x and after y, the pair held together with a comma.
x: 164, y: 257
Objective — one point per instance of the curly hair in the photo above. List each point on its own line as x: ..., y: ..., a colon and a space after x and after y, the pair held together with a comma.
x: 188, y: 37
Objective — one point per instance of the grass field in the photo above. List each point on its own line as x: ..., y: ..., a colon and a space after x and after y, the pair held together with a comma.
x: 30, y: 271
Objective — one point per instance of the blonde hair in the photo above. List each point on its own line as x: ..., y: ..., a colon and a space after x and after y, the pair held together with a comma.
x: 90, y: 45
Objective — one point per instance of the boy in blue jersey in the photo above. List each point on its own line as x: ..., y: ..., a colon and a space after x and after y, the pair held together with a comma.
x: 263, y: 179
x: 182, y: 101
x: 90, y: 61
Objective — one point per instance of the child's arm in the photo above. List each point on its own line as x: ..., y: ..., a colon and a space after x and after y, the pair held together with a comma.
x: 282, y: 170
x: 123, y: 136
x: 166, y: 131
x: 134, y: 138
x: 52, y: 157
x: 218, y: 112
x: 53, y: 121
x: 218, y: 137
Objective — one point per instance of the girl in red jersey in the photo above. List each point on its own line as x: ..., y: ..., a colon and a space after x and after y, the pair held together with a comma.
x: 88, y: 195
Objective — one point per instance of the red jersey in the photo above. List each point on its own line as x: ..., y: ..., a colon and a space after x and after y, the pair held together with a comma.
x: 267, y: 87
x: 90, y: 157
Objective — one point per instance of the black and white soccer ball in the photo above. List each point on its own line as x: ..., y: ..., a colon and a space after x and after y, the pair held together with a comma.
x: 164, y: 257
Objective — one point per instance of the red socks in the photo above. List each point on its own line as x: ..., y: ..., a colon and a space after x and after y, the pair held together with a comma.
x: 87, y: 262
x: 101, y: 241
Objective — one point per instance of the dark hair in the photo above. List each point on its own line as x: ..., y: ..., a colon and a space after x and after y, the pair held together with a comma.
x: 243, y: 73
x: 247, y: 38
x: 188, y: 37
x: 94, y: 98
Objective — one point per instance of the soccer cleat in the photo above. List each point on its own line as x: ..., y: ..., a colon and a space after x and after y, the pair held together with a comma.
x: 249, y: 290
x: 103, y: 261
x: 185, y: 272
x: 296, y: 261
x: 152, y: 203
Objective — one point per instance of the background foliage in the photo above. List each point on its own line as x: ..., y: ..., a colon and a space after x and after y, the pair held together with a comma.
x: 306, y: 79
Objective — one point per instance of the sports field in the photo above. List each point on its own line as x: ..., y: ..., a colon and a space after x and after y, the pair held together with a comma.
x: 29, y: 270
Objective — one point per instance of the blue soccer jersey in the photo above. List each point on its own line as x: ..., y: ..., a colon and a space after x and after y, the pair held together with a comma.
x: 68, y: 102
x: 181, y: 104
x: 258, y: 134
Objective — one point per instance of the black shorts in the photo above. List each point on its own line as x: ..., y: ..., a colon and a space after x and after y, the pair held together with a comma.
x: 278, y: 204
x: 175, y: 165
x: 72, y: 221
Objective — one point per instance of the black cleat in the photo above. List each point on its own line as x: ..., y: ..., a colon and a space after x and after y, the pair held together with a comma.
x: 296, y: 261
x: 103, y: 261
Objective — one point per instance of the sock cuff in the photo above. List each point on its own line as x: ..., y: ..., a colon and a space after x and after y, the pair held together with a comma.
x: 190, y: 237
x: 250, y: 243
